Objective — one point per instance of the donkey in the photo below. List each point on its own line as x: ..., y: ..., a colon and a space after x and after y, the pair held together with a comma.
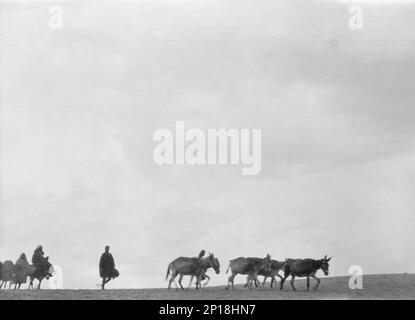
x: 7, y: 274
x: 276, y: 266
x: 305, y: 268
x: 249, y: 266
x: 195, y: 267
x: 42, y: 271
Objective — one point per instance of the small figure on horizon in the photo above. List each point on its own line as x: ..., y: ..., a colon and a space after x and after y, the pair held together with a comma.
x: 107, y: 269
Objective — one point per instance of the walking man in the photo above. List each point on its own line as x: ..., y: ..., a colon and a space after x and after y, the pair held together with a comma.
x: 107, y: 269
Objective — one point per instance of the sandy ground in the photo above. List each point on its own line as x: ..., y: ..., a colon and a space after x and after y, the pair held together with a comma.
x: 398, y: 286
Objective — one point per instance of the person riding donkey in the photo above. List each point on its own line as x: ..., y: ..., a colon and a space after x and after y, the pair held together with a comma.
x: 107, y: 269
x: 38, y: 258
x: 20, y: 271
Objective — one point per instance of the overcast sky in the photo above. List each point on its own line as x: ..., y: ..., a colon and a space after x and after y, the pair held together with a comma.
x: 79, y: 107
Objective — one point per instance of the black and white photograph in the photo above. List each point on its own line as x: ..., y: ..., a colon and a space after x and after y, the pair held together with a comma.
x: 207, y: 150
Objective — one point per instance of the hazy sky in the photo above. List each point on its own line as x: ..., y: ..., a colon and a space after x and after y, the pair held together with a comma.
x: 79, y: 107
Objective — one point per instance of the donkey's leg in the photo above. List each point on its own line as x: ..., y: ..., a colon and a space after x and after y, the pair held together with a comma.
x: 190, y: 282
x: 207, y: 281
x: 292, y: 282
x: 229, y: 283
x: 318, y: 281
x: 286, y: 275
x: 180, y: 281
x: 175, y: 284
x: 233, y: 279
x: 256, y: 282
x: 198, y: 282
x: 251, y: 279
x: 265, y: 280
x: 199, y: 279
x: 230, y: 280
x: 273, y: 280
x: 31, y: 286
x: 173, y: 276
x: 248, y: 281
x: 40, y: 282
x: 308, y: 283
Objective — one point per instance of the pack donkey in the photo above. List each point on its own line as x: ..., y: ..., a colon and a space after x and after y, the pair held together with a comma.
x: 42, y: 271
x: 195, y: 267
x: 248, y: 266
x: 276, y: 266
x: 305, y: 268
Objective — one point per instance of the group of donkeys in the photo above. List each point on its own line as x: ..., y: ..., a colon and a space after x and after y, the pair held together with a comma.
x: 18, y: 272
x: 196, y: 267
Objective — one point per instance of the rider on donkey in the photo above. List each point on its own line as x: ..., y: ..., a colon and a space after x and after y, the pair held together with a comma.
x: 42, y: 267
x: 38, y: 257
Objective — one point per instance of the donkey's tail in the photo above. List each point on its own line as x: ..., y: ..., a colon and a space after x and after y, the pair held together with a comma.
x: 228, y: 268
x: 168, y: 271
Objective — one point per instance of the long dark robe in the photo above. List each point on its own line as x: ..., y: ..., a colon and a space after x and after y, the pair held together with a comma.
x: 107, y: 266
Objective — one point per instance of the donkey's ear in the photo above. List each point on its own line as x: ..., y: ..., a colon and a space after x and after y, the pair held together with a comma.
x: 328, y: 259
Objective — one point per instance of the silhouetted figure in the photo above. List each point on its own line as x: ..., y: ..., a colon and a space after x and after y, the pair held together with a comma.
x: 107, y: 269
x: 20, y: 271
x: 38, y: 257
x: 201, y: 254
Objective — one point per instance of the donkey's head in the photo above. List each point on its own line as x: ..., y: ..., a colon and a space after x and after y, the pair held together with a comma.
x: 325, y: 265
x: 214, y: 262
